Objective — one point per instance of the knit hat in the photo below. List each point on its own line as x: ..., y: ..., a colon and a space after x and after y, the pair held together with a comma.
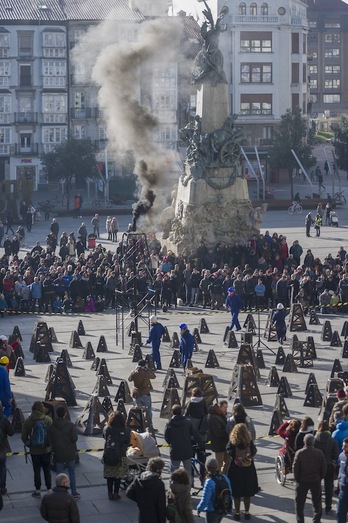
x: 153, y: 319
x: 340, y: 394
x: 230, y: 289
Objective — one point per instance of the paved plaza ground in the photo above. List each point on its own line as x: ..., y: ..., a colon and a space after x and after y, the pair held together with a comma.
x: 274, y: 503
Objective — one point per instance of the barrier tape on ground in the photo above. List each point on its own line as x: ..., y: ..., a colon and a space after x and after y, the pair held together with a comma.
x: 86, y: 451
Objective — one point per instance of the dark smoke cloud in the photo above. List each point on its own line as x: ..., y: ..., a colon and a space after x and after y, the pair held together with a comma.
x: 117, y: 69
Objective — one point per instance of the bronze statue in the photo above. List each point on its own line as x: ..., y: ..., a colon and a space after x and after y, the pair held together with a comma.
x: 208, y: 64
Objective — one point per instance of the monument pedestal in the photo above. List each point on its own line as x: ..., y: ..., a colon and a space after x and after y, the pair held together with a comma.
x: 203, y: 213
x: 212, y: 106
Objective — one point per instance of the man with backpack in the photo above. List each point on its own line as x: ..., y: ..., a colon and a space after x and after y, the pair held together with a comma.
x: 217, y: 493
x: 35, y: 436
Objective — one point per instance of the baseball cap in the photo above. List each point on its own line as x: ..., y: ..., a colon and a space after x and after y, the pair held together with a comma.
x: 230, y: 289
x: 183, y: 326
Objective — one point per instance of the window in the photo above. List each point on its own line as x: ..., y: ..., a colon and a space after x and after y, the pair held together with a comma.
x: 80, y: 132
x: 256, y: 73
x: 52, y: 136
x: 332, y: 69
x: 313, y: 69
x: 314, y: 83
x: 256, y: 104
x: 54, y: 108
x: 332, y: 38
x: 295, y: 101
x: 54, y: 39
x: 295, y: 43
x: 5, y: 140
x: 314, y: 55
x: 264, y: 9
x: 54, y: 52
x: 5, y: 104
x: 332, y: 83
x: 256, y: 42
x: 25, y: 44
x: 313, y: 24
x: 5, y: 73
x: 253, y: 9
x: 78, y: 33
x: 332, y: 98
x: 242, y: 8
x: 54, y: 73
x: 25, y: 104
x: 25, y: 142
x: 4, y: 40
x: 332, y: 53
x: 25, y: 75
x: 295, y: 73
x: 102, y: 132
x: 332, y: 25
x: 313, y: 98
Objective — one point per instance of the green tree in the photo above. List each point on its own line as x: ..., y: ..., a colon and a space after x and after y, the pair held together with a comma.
x: 341, y: 143
x: 291, y: 135
x: 73, y: 159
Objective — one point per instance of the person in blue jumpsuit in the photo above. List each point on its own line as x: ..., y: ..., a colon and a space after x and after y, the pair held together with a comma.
x: 187, y: 343
x: 5, y: 387
x: 155, y: 336
x: 278, y: 320
x: 234, y: 304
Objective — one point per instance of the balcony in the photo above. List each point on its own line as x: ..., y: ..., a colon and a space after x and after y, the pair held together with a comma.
x: 249, y: 19
x: 99, y: 145
x: 26, y: 117
x: 82, y: 114
x: 25, y: 150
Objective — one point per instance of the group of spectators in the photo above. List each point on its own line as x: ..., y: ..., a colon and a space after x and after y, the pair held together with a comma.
x: 64, y: 277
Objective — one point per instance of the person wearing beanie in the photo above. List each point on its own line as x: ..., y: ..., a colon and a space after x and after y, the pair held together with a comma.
x: 5, y: 386
x: 187, y: 343
x: 6, y: 429
x: 207, y: 502
x: 141, y: 377
x: 156, y: 332
x: 278, y: 321
x: 234, y: 304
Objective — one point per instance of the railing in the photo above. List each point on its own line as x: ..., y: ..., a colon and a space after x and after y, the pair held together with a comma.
x: 88, y: 112
x: 249, y: 19
x: 31, y: 149
x: 27, y: 117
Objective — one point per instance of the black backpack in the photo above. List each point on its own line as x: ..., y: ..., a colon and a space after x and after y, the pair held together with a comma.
x: 223, y: 499
x: 112, y: 449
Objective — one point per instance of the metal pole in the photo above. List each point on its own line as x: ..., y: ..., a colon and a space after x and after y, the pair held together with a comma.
x: 302, y: 168
x: 262, y: 174
x: 332, y: 174
x: 252, y: 171
x: 106, y: 191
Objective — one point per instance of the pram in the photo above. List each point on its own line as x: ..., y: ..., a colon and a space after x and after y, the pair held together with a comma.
x: 135, y: 467
x: 333, y: 219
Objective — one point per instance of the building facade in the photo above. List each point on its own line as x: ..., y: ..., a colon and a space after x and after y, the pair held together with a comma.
x: 265, y: 49
x: 327, y: 58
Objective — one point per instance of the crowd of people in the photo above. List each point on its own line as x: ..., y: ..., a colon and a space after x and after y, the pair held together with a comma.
x: 66, y: 276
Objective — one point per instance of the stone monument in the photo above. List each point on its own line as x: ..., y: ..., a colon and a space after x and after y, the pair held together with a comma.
x: 211, y: 202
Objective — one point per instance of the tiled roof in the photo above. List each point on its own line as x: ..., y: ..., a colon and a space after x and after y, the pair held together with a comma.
x: 62, y: 10
x: 43, y: 10
x: 192, y: 29
x: 101, y: 10
x: 327, y: 5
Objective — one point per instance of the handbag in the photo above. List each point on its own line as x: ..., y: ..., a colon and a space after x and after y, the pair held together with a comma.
x: 243, y: 458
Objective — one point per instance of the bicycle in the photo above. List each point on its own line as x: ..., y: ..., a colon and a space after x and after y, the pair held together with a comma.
x: 102, y: 203
x: 340, y: 198
x: 295, y: 208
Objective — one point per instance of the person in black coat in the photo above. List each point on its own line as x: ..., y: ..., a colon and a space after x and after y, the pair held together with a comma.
x: 59, y: 505
x: 241, y: 471
x: 8, y: 246
x: 179, y: 433
x: 278, y: 319
x: 197, y: 412
x: 149, y: 493
x: 217, y: 434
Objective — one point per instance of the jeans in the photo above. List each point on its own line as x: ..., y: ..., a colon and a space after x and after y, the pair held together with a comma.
x: 3, y: 469
x: 145, y: 401
x: 235, y: 321
x: 156, y: 355
x: 41, y: 461
x: 175, y: 464
x: 71, y: 471
x: 342, y: 507
x: 300, y: 500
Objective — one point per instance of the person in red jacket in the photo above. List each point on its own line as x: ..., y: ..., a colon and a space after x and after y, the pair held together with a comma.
x: 288, y: 430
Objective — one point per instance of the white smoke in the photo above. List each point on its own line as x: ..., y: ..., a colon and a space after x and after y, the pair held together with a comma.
x: 119, y: 68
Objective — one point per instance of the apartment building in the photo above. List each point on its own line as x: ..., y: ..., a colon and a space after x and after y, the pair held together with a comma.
x: 327, y: 58
x: 265, y: 52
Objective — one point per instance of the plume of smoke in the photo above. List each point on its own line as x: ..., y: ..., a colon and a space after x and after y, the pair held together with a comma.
x: 119, y: 69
